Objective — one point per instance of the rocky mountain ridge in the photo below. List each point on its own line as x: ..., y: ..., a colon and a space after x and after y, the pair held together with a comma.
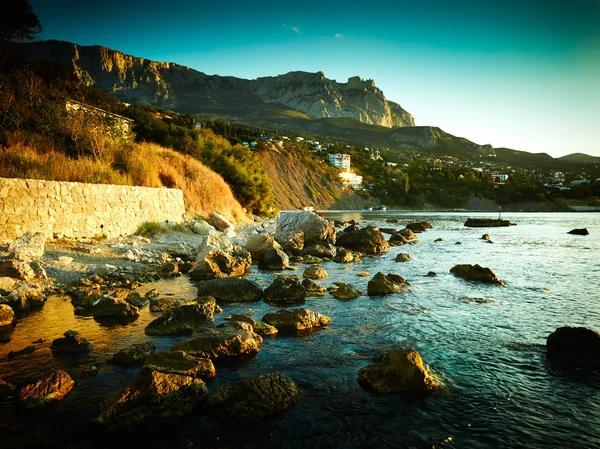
x: 183, y: 89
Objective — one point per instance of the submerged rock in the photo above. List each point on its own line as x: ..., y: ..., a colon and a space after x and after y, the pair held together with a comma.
x: 346, y: 292
x: 133, y: 355
x: 153, y: 395
x: 385, y: 284
x: 476, y: 273
x: 7, y: 315
x: 235, y: 339
x: 182, y: 320
x: 485, y: 237
x: 296, y: 319
x: 582, y: 231
x: 402, y: 257
x: 46, y: 391
x: 487, y: 223
x: 578, y: 346
x: 179, y: 362
x: 285, y: 290
x: 261, y: 328
x: 316, y: 229
x: 402, y: 370
x: 231, y: 289
x: 71, y: 343
x: 368, y: 240
x: 255, y: 398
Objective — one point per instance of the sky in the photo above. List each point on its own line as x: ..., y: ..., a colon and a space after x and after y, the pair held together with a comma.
x: 518, y: 74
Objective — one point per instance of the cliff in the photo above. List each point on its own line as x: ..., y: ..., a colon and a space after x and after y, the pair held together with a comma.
x: 183, y: 89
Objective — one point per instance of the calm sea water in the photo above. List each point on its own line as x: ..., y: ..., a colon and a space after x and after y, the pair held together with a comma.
x: 506, y: 394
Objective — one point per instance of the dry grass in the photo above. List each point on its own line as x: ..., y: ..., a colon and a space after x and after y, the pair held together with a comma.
x: 142, y: 164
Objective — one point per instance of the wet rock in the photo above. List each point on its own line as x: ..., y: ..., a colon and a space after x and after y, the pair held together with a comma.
x: 235, y: 339
x: 408, y: 235
x: 431, y: 274
x: 219, y: 221
x: 109, y: 307
x: 485, y: 237
x: 182, y: 320
x: 363, y: 274
x: 487, y: 223
x: 71, y: 343
x: 165, y: 304
x: 179, y: 362
x: 439, y: 240
x: 169, y: 269
x: 24, y: 351
x: 311, y: 260
x: 17, y: 269
x: 291, y: 242
x: 476, y: 273
x: 133, y: 355
x: 285, y: 290
x: 261, y: 328
x: 153, y: 395
x: 582, y: 231
x: 315, y: 272
x: 137, y: 300
x: 417, y: 227
x: 351, y: 228
x: 88, y: 371
x: 577, y: 346
x: 255, y: 398
x: 402, y: 257
x: 397, y: 240
x: 316, y: 229
x: 321, y: 250
x: 343, y: 255
x: 402, y: 370
x: 368, y: 240
x: 388, y: 230
x: 6, y: 389
x: 311, y: 287
x: 215, y: 263
x: 385, y: 284
x: 339, y: 223
x: 267, y: 252
x: 7, y: 315
x: 296, y: 319
x: 46, y: 391
x: 392, y: 220
x: 29, y: 246
x: 25, y: 297
x: 458, y: 243
x: 231, y: 289
x: 346, y: 292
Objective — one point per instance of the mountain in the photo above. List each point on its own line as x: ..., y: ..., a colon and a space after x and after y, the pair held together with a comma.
x: 183, y: 89
x: 580, y: 157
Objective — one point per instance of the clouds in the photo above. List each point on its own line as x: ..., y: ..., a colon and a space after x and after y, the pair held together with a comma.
x: 296, y: 30
x: 338, y: 36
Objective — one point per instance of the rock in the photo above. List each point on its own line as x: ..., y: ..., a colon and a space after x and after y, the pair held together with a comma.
x: 133, y: 355
x: 339, y: 223
x: 39, y: 271
x: 577, y: 346
x: 137, y: 300
x: 105, y: 271
x: 201, y: 227
x: 316, y: 229
x: 363, y: 274
x: 17, y: 269
x: 65, y: 260
x: 24, y: 351
x: 7, y: 284
x: 407, y: 234
x: 285, y: 290
x: 168, y: 269
x: 403, y: 257
x: 351, y: 228
x: 6, y: 389
x: 164, y: 304
x: 267, y: 252
x: 183, y: 250
x: 383, y: 284
x: 88, y: 371
x: 46, y: 391
x: 431, y: 274
x: 25, y: 297
x: 485, y: 237
x: 476, y: 273
x: 315, y: 272
x: 416, y: 227
x: 109, y: 307
x: 213, y: 241
x: 153, y: 395
x: 29, y: 246
x: 231, y: 289
x: 343, y: 255
x: 296, y: 320
x: 311, y: 260
x: 439, y: 240
x: 321, y: 250
x: 179, y: 362
x: 582, y: 231
x: 227, y: 340
x: 388, y: 230
x: 311, y: 287
x: 182, y: 320
x: 71, y: 343
x: 7, y: 315
x: 368, y: 240
x: 255, y: 398
x: 487, y: 223
x: 291, y: 242
x: 397, y: 239
x: 458, y: 243
x: 262, y: 329
x: 215, y: 263
x: 402, y: 370
x: 219, y: 221
x: 346, y: 292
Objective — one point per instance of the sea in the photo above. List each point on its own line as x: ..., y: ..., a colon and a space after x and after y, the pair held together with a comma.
x: 487, y: 342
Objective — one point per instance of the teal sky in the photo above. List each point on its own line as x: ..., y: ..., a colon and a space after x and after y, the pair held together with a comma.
x: 518, y: 74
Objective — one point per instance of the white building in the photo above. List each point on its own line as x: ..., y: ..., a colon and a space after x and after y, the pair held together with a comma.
x: 351, y: 179
x: 340, y: 160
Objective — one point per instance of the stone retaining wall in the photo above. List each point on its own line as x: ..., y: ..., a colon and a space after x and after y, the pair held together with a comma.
x: 74, y: 209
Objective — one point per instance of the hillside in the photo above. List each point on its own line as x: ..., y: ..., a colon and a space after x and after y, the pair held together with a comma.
x: 580, y: 157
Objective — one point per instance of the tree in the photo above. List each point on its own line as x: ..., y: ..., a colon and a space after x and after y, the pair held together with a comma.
x: 18, y: 22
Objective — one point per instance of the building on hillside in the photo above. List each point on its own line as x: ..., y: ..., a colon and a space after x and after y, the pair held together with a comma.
x: 118, y: 125
x: 436, y: 164
x: 351, y: 179
x: 340, y: 160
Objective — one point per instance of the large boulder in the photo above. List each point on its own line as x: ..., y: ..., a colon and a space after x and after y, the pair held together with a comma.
x: 581, y: 231
x: 219, y: 221
x: 7, y: 315
x: 179, y: 362
x: 133, y: 355
x: 315, y: 272
x: 25, y: 297
x: 577, y: 346
x: 201, y: 227
x: 17, y: 269
x: 403, y: 257
x: 85, y: 297
x: 255, y: 398
x: 312, y: 288
x: 398, y: 239
x: 261, y: 328
x: 71, y: 343
x: 235, y: 339
x: 402, y: 370
x: 407, y: 234
x: 417, y: 227
x: 182, y: 320
x: 343, y: 255
x: 322, y: 250
x: 231, y: 289
x: 267, y: 252
x: 346, y: 292
x: 316, y: 229
x: 285, y: 290
x: 476, y: 273
x: 291, y: 242
x: 368, y: 240
x: 385, y: 284
x: 153, y: 395
x: 109, y: 307
x: 183, y: 250
x: 29, y: 246
x: 46, y: 391
x: 296, y: 320
x: 214, y: 263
